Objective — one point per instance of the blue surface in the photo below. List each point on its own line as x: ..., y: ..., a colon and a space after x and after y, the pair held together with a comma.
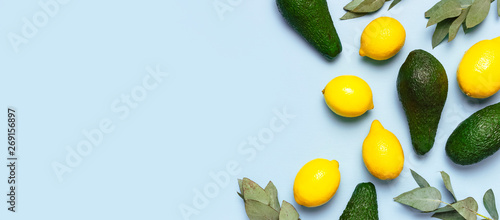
x: 227, y: 77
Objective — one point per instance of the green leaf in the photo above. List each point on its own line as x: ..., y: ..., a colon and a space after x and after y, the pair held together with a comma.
x: 498, y: 7
x: 252, y: 191
x: 424, y: 199
x: 419, y: 179
x: 447, y: 208
x: 452, y: 215
x: 467, y: 207
x: 351, y: 15
x: 447, y: 184
x: 288, y: 212
x: 455, y: 26
x: 434, y: 8
x: 441, y: 31
x: 369, y: 6
x: 489, y: 203
x: 450, y: 9
x: 394, y: 3
x: 240, y: 184
x: 477, y: 13
x: 259, y: 211
x: 352, y: 5
x: 272, y: 192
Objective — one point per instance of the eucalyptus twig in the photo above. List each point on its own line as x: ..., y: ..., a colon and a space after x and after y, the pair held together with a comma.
x: 428, y: 199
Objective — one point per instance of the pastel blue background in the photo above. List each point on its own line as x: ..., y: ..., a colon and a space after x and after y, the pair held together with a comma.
x: 226, y: 77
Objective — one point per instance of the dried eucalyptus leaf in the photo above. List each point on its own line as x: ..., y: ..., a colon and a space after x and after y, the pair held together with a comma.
x: 369, y: 6
x: 434, y: 8
x: 452, y: 215
x: 352, y: 5
x: 449, y: 9
x: 252, y: 191
x: 419, y: 179
x: 394, y: 3
x: 272, y: 192
x: 447, y: 183
x: 477, y: 13
x: 489, y: 203
x: 442, y: 29
x: 467, y: 207
x: 288, y: 212
x: 351, y: 15
x: 454, y: 30
x: 447, y: 208
x: 259, y: 211
x: 240, y: 184
x: 424, y: 199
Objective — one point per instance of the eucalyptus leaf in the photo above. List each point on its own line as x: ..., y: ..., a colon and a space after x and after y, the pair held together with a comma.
x: 498, y: 7
x: 288, y: 212
x: 465, y: 3
x: 351, y: 15
x: 352, y: 5
x: 447, y: 208
x: 489, y: 203
x: 447, y: 182
x: 442, y: 29
x: 450, y: 9
x: 252, y: 191
x: 259, y: 211
x: 477, y: 13
x: 272, y: 192
x: 419, y: 179
x: 434, y: 8
x: 454, y: 30
x: 394, y: 3
x: 369, y: 6
x: 424, y: 199
x: 467, y: 207
x: 452, y: 215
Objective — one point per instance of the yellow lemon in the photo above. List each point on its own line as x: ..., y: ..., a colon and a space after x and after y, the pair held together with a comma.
x: 382, y: 38
x: 478, y: 73
x: 316, y: 182
x: 348, y: 96
x: 382, y: 153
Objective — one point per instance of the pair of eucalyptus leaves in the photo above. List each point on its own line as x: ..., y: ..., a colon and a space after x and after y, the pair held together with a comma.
x: 428, y: 199
x: 448, y: 15
x: 263, y: 203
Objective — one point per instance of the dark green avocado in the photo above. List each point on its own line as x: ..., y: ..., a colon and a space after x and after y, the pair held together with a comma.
x: 476, y: 138
x: 422, y: 87
x: 312, y: 20
x: 363, y: 204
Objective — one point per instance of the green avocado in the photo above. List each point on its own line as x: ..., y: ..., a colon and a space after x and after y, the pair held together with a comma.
x: 312, y: 20
x: 422, y: 87
x: 476, y: 138
x: 363, y: 204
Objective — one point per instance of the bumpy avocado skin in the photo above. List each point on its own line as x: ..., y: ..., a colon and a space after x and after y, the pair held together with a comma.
x: 363, y: 204
x: 422, y: 87
x: 312, y: 20
x: 476, y: 138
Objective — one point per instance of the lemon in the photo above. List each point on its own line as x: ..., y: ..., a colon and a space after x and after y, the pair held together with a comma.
x: 382, y: 38
x: 382, y: 153
x: 316, y: 182
x: 478, y: 73
x: 348, y: 96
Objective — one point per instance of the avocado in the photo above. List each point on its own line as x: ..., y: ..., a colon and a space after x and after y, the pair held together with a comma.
x: 363, y: 203
x: 422, y: 87
x: 476, y: 138
x: 312, y: 20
